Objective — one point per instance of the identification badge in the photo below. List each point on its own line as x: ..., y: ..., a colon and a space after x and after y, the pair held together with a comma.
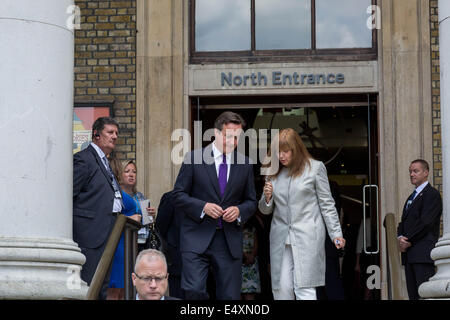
x: 408, y: 203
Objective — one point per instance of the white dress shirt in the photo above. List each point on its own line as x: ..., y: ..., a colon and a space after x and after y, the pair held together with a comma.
x: 117, y: 206
x: 218, y: 158
x: 420, y: 188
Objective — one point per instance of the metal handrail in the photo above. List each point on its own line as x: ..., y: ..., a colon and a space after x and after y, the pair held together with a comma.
x: 353, y: 199
x: 130, y: 226
x: 364, y: 217
x: 393, y: 257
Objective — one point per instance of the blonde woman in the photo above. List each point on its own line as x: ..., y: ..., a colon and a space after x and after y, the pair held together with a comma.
x: 299, y: 197
x: 126, y: 172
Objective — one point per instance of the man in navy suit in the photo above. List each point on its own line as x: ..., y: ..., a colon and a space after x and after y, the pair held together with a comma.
x: 96, y: 197
x: 418, y: 230
x: 215, y: 195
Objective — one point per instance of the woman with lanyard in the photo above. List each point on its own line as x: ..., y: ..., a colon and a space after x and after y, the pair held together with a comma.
x: 131, y: 202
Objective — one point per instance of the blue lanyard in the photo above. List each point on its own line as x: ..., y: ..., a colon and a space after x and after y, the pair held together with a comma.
x: 138, y: 206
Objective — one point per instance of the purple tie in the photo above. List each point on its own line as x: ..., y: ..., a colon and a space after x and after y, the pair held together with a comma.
x: 223, y: 168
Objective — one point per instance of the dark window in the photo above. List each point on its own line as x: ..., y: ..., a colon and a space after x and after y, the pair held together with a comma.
x: 278, y: 30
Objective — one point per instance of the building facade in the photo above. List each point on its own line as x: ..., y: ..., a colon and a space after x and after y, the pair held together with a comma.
x: 359, y: 81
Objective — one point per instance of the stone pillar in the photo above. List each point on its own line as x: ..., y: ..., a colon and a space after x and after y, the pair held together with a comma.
x: 38, y: 258
x: 161, y: 106
x: 438, y: 287
x: 405, y: 109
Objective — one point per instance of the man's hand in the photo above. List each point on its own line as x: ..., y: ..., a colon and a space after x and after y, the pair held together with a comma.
x: 403, y: 244
x: 230, y: 214
x: 213, y: 210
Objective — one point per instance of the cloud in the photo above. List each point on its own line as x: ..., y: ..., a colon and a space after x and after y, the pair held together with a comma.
x: 340, y: 27
x: 222, y: 25
x: 282, y: 24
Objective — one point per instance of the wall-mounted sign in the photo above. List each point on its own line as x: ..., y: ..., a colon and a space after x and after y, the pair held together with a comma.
x: 278, y: 78
x: 283, y: 78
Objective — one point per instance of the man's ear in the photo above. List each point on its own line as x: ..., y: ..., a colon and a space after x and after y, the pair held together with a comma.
x: 133, y: 277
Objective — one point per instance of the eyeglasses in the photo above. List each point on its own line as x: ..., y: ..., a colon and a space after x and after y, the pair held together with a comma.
x: 150, y: 279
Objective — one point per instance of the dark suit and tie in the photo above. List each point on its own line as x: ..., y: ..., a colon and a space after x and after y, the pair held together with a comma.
x: 420, y: 226
x: 206, y: 241
x: 96, y: 196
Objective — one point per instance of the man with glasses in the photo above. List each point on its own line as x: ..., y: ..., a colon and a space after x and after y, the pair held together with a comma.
x: 150, y: 276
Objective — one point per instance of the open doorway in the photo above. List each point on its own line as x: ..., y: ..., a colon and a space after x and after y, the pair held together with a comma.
x: 343, y: 135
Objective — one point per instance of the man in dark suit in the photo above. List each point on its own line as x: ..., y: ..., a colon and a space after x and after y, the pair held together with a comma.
x: 96, y: 197
x: 168, y: 226
x: 150, y: 276
x: 215, y: 195
x: 333, y: 289
x: 418, y: 230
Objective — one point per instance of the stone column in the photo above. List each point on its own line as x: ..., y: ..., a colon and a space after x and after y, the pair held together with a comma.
x: 405, y: 104
x: 438, y: 287
x: 161, y: 107
x: 38, y: 258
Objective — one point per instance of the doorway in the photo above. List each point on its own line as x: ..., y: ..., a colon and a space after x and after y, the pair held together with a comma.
x: 342, y: 132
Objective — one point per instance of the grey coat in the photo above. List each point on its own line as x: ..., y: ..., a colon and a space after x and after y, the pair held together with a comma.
x: 302, y: 207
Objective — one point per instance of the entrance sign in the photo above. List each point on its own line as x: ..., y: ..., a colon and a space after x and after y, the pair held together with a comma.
x: 279, y: 78
x: 282, y: 78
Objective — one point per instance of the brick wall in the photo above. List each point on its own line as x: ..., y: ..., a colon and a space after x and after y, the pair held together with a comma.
x: 436, y: 100
x: 105, y: 63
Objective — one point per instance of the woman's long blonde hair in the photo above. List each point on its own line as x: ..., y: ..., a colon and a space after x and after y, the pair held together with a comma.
x: 289, y: 139
x: 125, y: 163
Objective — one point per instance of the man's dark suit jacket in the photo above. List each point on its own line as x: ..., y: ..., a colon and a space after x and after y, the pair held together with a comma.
x: 168, y: 226
x: 420, y: 224
x: 197, y: 184
x: 171, y: 298
x: 93, y: 197
x: 166, y: 298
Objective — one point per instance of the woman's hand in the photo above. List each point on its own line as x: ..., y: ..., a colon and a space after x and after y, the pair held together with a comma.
x: 339, y: 242
x: 136, y: 217
x: 268, y: 189
x: 151, y: 212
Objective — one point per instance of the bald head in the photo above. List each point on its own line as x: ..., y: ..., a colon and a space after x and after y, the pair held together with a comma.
x: 149, y: 255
